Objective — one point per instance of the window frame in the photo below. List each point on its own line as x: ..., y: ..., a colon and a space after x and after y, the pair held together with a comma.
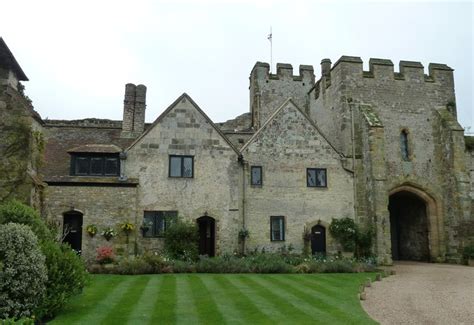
x: 77, y: 157
x: 283, y: 232
x: 251, y: 176
x: 316, y: 172
x: 159, y: 215
x: 182, y: 157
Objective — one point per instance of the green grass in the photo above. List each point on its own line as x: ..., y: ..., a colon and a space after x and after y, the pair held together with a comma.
x: 219, y: 299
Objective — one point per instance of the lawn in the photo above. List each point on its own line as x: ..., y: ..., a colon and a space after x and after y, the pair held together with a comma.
x: 219, y: 299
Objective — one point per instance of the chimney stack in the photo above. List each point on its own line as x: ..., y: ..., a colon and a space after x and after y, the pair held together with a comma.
x: 134, y: 105
x: 325, y: 67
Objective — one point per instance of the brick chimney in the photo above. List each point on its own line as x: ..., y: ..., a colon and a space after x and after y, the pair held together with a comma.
x: 134, y: 106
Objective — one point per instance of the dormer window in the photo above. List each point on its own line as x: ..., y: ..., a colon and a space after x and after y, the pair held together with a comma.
x: 95, y: 160
x: 95, y: 164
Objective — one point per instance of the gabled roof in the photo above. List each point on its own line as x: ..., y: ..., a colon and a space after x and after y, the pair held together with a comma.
x: 173, y: 105
x: 8, y: 60
x: 275, y: 113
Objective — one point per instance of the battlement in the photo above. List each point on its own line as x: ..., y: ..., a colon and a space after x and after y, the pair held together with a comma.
x: 261, y: 70
x: 384, y: 69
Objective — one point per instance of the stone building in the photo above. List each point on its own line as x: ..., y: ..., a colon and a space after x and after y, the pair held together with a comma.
x: 379, y: 146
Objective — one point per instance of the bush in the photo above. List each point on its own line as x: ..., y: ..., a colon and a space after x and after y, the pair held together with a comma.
x: 181, y: 241
x: 134, y: 265
x: 66, y: 272
x: 67, y: 276
x: 180, y: 267
x: 468, y: 252
x: 23, y: 273
x: 17, y: 212
x: 344, y: 231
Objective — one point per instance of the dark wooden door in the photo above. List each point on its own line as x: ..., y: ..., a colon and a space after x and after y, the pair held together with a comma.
x: 207, y: 236
x: 318, y: 240
x: 72, y: 230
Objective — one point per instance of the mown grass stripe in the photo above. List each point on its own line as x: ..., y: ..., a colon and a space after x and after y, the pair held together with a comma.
x: 303, y: 303
x: 164, y: 309
x: 206, y: 306
x: 102, y: 307
x: 280, y: 302
x: 80, y: 306
x: 311, y: 297
x: 225, y: 304
x: 143, y: 310
x: 270, y: 310
x: 186, y: 311
x: 246, y: 307
x: 124, y: 307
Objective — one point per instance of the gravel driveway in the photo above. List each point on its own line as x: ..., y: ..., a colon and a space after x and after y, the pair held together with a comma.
x: 423, y: 293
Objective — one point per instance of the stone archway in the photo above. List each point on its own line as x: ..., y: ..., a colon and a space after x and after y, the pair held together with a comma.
x: 415, y: 224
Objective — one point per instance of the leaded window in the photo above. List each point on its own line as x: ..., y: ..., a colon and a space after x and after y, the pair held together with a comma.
x: 316, y: 177
x: 155, y: 223
x: 277, y: 228
x: 181, y: 166
x: 95, y: 165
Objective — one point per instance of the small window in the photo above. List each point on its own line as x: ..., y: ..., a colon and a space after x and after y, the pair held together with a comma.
x: 95, y: 165
x: 157, y: 222
x: 256, y: 175
x: 404, y: 145
x: 181, y: 166
x: 316, y: 177
x: 277, y: 228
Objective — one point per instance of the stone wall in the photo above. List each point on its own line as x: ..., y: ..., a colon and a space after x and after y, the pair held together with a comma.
x: 104, y: 206
x: 184, y: 129
x: 286, y: 146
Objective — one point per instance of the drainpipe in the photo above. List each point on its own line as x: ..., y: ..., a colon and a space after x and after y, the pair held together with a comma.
x: 354, y: 183
x: 243, y: 164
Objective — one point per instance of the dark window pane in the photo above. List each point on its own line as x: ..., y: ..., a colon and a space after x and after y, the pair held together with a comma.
x: 160, y: 225
x: 256, y: 177
x: 175, y: 166
x: 404, y: 145
x: 97, y: 166
x: 321, y: 177
x: 82, y: 166
x: 111, y: 166
x: 187, y: 167
x: 311, y: 177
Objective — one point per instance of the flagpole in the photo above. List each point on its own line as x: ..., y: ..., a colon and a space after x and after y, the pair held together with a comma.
x: 271, y: 49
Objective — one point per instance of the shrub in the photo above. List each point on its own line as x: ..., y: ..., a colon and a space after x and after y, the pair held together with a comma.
x: 155, y: 261
x: 17, y: 212
x: 468, y: 252
x: 23, y: 272
x: 67, y: 276
x: 364, y: 238
x: 344, y: 231
x: 181, y: 240
x: 180, y: 267
x: 134, y: 265
x: 105, y: 254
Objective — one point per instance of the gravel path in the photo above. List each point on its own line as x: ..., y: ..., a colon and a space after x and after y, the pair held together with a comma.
x: 422, y: 293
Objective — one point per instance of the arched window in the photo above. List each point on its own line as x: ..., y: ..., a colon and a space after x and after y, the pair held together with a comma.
x: 404, y: 145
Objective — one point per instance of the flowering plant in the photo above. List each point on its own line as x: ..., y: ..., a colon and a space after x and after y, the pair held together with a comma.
x: 91, y: 230
x: 109, y: 233
x: 127, y: 227
x: 105, y: 254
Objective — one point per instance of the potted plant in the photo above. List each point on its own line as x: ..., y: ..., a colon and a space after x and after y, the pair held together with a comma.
x: 91, y: 230
x: 109, y: 233
x: 127, y: 227
x: 146, y: 225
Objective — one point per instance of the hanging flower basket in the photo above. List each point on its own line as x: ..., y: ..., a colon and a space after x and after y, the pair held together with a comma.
x: 145, y: 227
x: 109, y: 233
x: 91, y: 230
x: 127, y: 227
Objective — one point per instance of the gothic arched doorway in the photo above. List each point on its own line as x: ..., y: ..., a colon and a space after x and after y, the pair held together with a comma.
x: 409, y: 226
x: 207, y: 236
x: 72, y: 230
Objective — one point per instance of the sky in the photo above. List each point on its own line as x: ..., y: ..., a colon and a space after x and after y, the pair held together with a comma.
x: 78, y: 55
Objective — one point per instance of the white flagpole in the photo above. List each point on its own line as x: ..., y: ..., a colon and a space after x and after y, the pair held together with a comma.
x: 270, y: 38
